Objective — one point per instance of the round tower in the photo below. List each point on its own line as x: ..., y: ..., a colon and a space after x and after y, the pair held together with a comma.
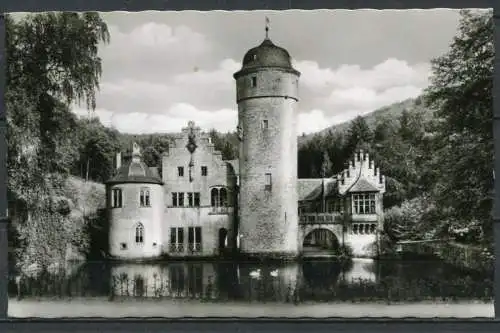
x: 135, y: 205
x: 267, y: 96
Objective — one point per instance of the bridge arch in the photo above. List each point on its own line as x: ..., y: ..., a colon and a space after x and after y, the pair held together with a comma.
x: 319, y: 239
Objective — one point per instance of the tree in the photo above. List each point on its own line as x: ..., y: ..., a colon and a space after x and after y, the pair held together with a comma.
x: 461, y: 95
x: 52, y: 64
x: 359, y: 136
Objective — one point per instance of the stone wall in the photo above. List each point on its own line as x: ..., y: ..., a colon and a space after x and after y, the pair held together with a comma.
x: 219, y: 175
x: 124, y: 220
x: 267, y: 115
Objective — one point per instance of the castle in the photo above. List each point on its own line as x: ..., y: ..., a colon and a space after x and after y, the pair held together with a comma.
x: 204, y: 206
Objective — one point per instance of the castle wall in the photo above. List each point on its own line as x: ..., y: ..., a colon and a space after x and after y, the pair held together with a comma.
x: 210, y: 219
x: 203, y: 217
x: 124, y: 220
x: 268, y: 217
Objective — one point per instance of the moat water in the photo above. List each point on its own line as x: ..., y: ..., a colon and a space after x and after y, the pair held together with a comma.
x: 362, y: 280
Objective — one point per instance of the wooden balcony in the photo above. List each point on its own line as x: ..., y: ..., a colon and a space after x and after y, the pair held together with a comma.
x: 320, y: 218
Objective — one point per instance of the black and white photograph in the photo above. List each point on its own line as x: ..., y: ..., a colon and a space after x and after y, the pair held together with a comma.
x: 249, y: 164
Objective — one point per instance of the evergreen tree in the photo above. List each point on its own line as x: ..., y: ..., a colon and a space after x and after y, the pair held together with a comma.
x: 462, y: 147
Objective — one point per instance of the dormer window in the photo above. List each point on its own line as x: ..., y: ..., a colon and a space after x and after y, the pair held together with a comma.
x: 254, y: 81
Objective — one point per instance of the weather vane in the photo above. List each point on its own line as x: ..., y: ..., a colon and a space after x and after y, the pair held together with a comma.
x: 267, y: 27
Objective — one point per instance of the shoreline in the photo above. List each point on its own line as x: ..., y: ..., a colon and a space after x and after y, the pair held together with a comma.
x: 178, y: 308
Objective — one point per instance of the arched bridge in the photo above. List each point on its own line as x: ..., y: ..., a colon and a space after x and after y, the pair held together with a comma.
x: 320, y: 234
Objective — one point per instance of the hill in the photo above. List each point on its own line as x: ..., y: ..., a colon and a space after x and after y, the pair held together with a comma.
x: 392, y: 111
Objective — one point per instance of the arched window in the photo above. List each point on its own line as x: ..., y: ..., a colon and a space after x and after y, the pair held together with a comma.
x: 214, y: 197
x: 139, y: 234
x: 218, y: 197
x: 222, y: 197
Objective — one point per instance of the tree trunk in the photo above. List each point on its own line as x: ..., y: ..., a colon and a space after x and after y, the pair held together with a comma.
x: 87, y: 172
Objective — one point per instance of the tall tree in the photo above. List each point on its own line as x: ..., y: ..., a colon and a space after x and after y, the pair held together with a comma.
x: 461, y: 94
x: 52, y: 63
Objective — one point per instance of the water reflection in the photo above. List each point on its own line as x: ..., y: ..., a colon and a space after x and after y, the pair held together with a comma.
x: 360, y: 280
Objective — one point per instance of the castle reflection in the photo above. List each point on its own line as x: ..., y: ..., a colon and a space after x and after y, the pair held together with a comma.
x: 231, y: 281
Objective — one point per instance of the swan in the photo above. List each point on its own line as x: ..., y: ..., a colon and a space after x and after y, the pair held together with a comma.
x: 255, y: 274
x: 274, y: 273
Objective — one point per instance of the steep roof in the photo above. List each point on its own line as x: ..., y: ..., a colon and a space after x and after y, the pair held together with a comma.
x: 311, y: 189
x: 363, y: 185
x: 136, y: 171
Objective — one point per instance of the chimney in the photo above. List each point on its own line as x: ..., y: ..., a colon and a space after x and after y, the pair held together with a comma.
x: 118, y: 160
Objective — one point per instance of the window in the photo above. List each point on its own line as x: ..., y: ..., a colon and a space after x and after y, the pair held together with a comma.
x: 204, y: 171
x: 334, y: 206
x: 219, y: 197
x: 144, y: 198
x: 254, y: 81
x: 116, y: 198
x: 219, y: 200
x: 176, y: 240
x: 268, y: 181
x: 265, y: 124
x: 222, y: 197
x: 194, y: 239
x: 139, y: 234
x: 364, y: 203
x: 364, y: 229
x: 177, y: 199
x: 193, y: 199
x: 180, y: 171
x: 214, y: 196
x: 123, y: 246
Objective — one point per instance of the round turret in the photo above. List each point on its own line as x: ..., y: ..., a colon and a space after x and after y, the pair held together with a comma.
x: 267, y: 95
x: 135, y: 204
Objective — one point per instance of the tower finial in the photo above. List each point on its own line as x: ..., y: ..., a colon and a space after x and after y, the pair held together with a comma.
x: 267, y: 27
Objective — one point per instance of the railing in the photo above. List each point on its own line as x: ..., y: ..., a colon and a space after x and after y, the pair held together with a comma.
x: 194, y: 247
x: 176, y: 248
x: 219, y: 210
x: 320, y: 218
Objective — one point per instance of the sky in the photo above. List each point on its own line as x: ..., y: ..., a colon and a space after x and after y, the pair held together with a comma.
x: 162, y: 69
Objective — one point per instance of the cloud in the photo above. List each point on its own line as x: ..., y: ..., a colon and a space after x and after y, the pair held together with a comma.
x: 388, y: 74
x: 223, y: 75
x: 337, y: 95
x: 207, y: 89
x: 172, y: 120
x: 316, y: 120
x: 159, y: 76
x: 153, y: 51
x: 369, y: 99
